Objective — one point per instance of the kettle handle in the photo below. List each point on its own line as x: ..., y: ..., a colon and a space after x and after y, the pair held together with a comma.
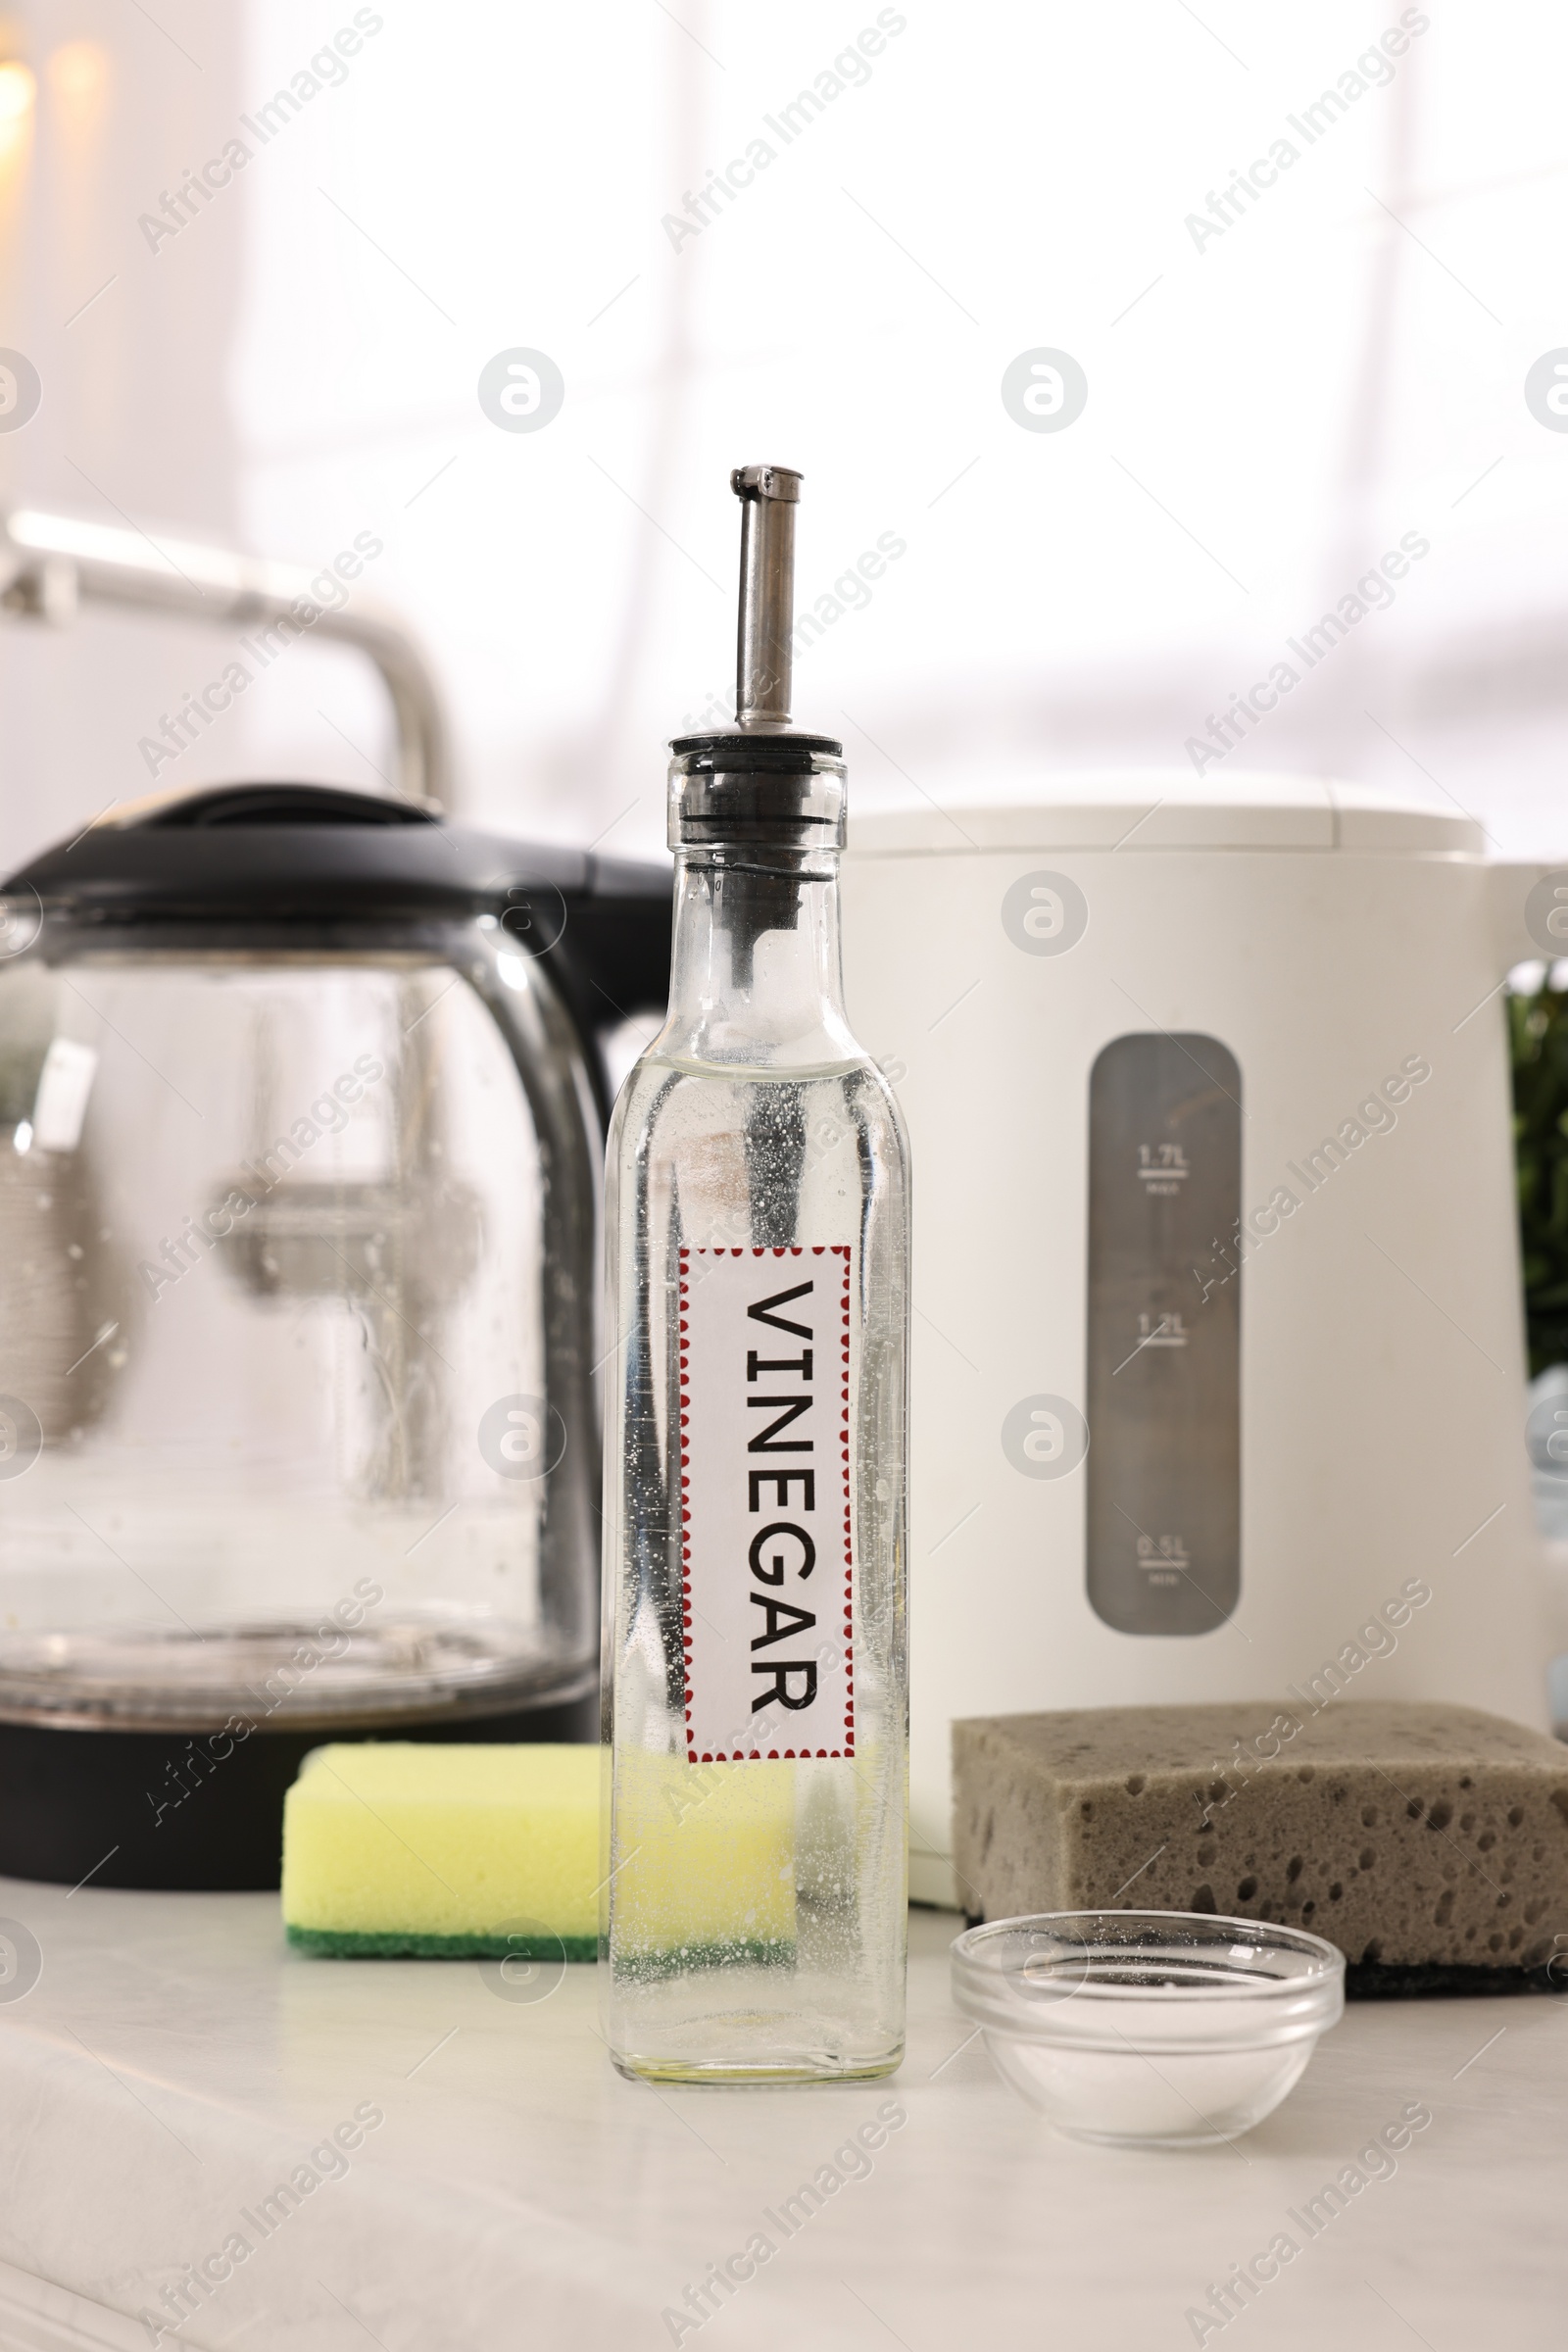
x: 611, y: 961
x: 1513, y: 886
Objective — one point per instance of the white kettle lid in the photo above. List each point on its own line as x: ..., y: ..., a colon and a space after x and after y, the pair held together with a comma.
x: 1156, y: 808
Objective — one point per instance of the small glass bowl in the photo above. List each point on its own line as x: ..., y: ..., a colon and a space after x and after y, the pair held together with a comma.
x: 1169, y: 2028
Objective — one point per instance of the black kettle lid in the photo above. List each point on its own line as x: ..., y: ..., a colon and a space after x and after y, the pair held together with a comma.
x: 283, y: 852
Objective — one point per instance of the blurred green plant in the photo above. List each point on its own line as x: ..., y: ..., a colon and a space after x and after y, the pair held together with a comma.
x: 1538, y: 1030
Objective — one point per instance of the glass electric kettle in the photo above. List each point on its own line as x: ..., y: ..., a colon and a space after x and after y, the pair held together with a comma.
x: 301, y: 1111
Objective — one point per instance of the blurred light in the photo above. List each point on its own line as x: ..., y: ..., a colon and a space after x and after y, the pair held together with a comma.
x: 18, y: 89
x: 79, y: 73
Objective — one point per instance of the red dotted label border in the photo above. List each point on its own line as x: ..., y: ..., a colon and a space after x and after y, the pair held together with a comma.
x: 773, y: 1755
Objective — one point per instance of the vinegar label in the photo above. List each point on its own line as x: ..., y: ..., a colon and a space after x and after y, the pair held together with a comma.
x: 767, y: 1551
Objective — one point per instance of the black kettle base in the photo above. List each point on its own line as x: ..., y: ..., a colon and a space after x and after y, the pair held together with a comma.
x: 130, y: 1809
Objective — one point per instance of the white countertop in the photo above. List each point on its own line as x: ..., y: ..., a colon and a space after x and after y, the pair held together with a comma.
x: 174, y: 2062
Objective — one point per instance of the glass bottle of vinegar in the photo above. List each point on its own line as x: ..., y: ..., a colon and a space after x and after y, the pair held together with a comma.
x: 756, y: 1667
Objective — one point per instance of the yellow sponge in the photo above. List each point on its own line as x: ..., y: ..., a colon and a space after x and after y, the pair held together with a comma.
x: 420, y: 1848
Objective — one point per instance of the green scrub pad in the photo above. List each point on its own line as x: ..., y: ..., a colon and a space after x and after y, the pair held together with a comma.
x: 447, y: 1851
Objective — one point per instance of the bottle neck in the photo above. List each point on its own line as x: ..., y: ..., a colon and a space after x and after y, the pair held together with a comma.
x: 756, y: 975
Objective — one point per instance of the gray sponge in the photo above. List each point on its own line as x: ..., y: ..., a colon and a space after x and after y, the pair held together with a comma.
x: 1429, y: 1842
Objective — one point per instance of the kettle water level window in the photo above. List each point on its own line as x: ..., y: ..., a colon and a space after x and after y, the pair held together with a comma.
x: 1163, y: 1538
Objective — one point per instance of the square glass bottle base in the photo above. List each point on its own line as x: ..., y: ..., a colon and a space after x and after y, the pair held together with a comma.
x: 706, y: 2058
x: 806, y: 2069
x: 736, y: 2028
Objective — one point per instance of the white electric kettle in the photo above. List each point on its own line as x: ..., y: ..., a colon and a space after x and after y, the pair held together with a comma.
x: 1219, y: 1380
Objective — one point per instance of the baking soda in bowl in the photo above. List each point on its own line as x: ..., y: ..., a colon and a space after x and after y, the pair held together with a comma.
x: 1161, y: 2028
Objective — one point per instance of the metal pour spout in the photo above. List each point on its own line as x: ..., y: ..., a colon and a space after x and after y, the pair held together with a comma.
x: 763, y: 655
